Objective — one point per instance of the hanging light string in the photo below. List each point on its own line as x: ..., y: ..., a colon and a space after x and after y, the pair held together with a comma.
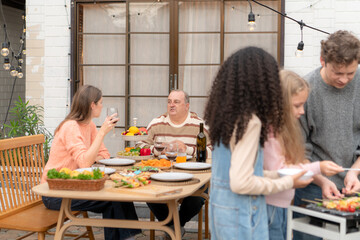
x: 301, y: 23
x: 8, y: 62
x: 8, y: 109
x: 250, y: 5
x: 5, y: 31
x: 7, y: 49
x: 312, y: 5
x: 69, y: 61
x: 304, y: 8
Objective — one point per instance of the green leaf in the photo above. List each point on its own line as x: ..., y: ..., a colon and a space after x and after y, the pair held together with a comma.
x: 27, y: 120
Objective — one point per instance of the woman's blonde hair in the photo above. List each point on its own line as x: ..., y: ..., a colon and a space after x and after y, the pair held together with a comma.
x: 291, y: 136
x: 81, y: 104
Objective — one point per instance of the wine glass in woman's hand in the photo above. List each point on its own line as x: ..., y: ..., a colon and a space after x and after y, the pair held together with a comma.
x: 111, y: 111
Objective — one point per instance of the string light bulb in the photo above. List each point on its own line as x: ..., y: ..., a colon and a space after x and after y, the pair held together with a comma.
x: 13, y: 71
x: 251, y: 19
x: 5, y: 49
x: 7, y: 64
x: 300, y: 49
x: 19, y: 72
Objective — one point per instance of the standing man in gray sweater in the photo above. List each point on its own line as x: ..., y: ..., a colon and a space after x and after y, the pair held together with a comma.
x: 331, y: 123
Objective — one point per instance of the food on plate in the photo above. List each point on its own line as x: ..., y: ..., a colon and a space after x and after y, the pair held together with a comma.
x: 134, y: 131
x: 66, y: 173
x: 129, y: 181
x: 145, y: 151
x: 155, y: 163
x: 143, y: 169
x: 347, y: 204
x: 132, y: 151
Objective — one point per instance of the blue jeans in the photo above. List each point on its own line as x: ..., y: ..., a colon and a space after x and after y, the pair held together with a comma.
x: 311, y: 192
x: 277, y: 219
x: 190, y: 206
x: 110, y: 210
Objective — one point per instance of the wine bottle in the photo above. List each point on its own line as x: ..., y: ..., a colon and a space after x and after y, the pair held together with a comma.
x: 201, y: 145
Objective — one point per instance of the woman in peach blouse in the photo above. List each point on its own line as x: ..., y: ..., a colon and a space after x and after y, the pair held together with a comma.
x: 78, y: 144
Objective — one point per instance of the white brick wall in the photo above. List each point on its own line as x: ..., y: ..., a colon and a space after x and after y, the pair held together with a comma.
x: 327, y: 15
x: 48, y: 65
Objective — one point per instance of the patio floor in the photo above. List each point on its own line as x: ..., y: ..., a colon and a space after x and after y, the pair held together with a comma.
x: 98, y: 232
x: 190, y: 227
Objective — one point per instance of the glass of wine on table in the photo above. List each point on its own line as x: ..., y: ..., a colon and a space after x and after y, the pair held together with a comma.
x: 159, y: 145
x: 171, y: 151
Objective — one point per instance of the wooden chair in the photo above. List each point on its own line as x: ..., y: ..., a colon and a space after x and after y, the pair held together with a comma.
x: 22, y: 163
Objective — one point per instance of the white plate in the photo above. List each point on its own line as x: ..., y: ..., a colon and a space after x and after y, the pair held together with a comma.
x: 187, y: 157
x: 117, y: 161
x: 171, y: 176
x: 134, y: 138
x: 107, y: 170
x: 193, y: 165
x: 291, y: 171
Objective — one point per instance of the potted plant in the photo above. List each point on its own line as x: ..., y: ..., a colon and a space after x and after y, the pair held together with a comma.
x: 27, y: 120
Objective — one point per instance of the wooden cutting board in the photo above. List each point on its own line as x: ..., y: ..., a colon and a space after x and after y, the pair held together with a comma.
x: 151, y: 189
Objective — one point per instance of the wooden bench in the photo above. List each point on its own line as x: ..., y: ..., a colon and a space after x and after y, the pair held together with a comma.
x: 22, y: 163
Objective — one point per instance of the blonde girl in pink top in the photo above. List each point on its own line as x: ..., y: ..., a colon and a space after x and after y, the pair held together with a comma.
x: 78, y: 144
x: 287, y: 150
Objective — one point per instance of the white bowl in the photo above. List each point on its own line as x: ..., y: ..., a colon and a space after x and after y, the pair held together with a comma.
x: 292, y: 171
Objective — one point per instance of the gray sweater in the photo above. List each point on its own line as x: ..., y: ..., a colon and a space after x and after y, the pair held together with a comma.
x: 331, y: 123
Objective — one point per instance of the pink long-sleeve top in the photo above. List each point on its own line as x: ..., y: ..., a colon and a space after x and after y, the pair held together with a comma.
x: 70, y: 145
x: 274, y: 159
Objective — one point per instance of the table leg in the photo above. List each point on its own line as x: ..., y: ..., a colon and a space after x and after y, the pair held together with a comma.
x: 173, y: 211
x: 59, y: 233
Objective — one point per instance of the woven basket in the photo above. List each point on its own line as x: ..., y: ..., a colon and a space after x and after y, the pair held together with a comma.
x: 76, y: 184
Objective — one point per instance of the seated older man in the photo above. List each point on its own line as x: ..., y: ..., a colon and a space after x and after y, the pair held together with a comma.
x: 181, y: 126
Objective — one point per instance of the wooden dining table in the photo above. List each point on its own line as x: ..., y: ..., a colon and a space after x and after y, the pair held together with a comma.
x: 156, y: 193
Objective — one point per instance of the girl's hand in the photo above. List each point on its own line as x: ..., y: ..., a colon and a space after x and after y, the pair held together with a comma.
x: 109, y: 124
x: 300, y: 183
x: 329, y: 168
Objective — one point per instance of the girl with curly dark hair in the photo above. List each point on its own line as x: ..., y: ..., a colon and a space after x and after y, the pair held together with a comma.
x: 244, y: 103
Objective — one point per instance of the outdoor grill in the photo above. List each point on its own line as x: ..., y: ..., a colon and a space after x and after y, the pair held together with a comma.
x: 352, y: 218
x: 325, y: 223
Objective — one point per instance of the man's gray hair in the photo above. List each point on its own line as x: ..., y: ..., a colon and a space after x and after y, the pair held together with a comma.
x: 187, y: 98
